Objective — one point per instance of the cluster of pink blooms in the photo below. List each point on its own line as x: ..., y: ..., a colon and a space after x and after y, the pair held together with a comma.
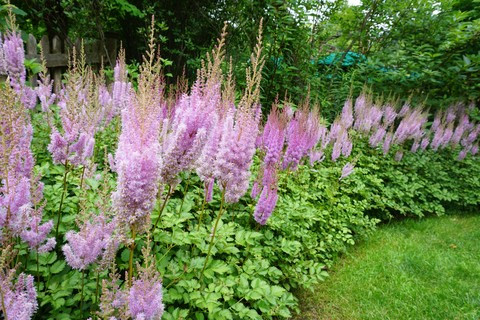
x: 19, y: 300
x: 12, y: 55
x: 90, y: 243
x: 143, y: 300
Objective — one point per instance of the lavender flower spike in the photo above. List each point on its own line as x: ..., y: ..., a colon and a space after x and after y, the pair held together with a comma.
x: 265, y: 205
x: 87, y: 245
x: 347, y: 170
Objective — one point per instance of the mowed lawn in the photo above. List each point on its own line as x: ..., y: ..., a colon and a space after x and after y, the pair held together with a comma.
x: 412, y: 269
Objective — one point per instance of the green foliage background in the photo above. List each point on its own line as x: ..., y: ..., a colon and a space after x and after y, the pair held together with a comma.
x: 253, y: 270
x: 426, y: 49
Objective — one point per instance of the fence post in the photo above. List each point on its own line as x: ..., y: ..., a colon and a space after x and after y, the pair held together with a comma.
x: 57, y: 71
x: 32, y: 50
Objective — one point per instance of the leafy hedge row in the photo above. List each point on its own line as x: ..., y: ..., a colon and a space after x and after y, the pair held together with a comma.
x: 254, y: 269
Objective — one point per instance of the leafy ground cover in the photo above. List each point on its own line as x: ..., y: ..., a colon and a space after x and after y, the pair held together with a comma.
x: 412, y: 269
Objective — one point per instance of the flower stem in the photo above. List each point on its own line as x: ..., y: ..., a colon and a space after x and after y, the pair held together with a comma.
x: 201, y: 212
x: 81, y: 296
x: 184, y: 196
x: 130, y: 259
x: 212, y: 236
x: 97, y: 290
x: 59, y: 219
x: 163, y: 206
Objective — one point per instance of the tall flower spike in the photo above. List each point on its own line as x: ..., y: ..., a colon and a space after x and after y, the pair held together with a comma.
x: 347, y: 170
x: 303, y: 133
x: 265, y: 205
x: 240, y: 130
x: 273, y: 137
x: 138, y: 157
x: 20, y: 191
x: 145, y: 297
x: 195, y: 119
x: 80, y: 115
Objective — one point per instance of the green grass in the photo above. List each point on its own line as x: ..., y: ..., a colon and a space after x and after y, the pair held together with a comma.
x: 413, y: 269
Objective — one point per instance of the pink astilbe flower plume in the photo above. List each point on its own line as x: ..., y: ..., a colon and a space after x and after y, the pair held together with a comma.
x: 138, y: 157
x: 143, y: 300
x: 239, y: 135
x: 19, y: 300
x: 303, y: 133
x: 20, y: 191
x: 88, y: 244
x: 80, y: 115
x: 347, y: 170
x: 265, y: 205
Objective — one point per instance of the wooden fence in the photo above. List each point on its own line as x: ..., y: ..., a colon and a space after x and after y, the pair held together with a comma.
x: 56, y: 55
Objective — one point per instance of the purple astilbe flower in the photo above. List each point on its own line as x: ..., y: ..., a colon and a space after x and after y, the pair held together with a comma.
x: 462, y: 127
x: 361, y: 104
x: 44, y: 91
x: 186, y: 133
x: 436, y: 121
x: 255, y: 189
x: 424, y: 144
x: 205, y: 163
x: 145, y: 297
x: 347, y: 170
x: 273, y: 137
x: 377, y: 136
x: 14, y: 57
x: 209, y: 189
x: 387, y: 143
x: 463, y: 154
x: 368, y: 117
x: 337, y: 149
x: 404, y: 110
x: 451, y: 114
x: 474, y: 150
x: 87, y: 245
x: 347, y: 115
x: 20, y: 191
x: 34, y: 233
x: 447, y: 135
x: 346, y: 145
x: 20, y: 299
x: 115, y: 101
x: 316, y: 156
x: 236, y: 150
x: 3, y: 61
x: 411, y: 126
x: 303, y: 133
x: 335, y: 130
x: 415, y: 146
x: 399, y: 155
x: 80, y: 116
x: 389, y: 115
x: 265, y: 205
x: 138, y: 156
x: 437, y: 138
